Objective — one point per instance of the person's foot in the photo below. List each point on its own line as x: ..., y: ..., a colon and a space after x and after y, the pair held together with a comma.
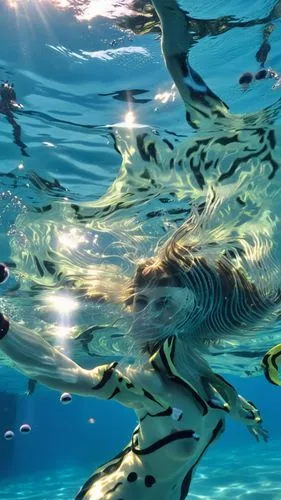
x: 247, y: 78
x: 261, y: 74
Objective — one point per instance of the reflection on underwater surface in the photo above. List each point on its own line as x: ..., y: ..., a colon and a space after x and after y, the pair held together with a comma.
x: 73, y: 220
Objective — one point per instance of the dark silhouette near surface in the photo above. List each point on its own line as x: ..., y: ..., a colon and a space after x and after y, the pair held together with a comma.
x: 8, y: 105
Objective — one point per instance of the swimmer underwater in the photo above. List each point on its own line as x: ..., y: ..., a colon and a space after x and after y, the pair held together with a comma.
x: 193, y: 293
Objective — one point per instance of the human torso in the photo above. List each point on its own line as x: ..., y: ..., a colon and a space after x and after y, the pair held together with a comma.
x: 176, y: 427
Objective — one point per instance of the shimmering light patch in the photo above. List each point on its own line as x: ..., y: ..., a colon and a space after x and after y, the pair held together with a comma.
x: 102, y: 55
x: 106, y: 8
x: 13, y: 4
x: 97, y: 491
x: 66, y: 52
x: 166, y: 96
x: 62, y: 332
x: 62, y: 303
x: 70, y: 240
x: 61, y: 3
x: 130, y: 118
x: 83, y: 10
x: 109, y: 54
x: 20, y: 3
x: 24, y: 8
x: 223, y: 475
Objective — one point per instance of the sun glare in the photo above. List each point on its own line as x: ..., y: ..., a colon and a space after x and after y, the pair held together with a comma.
x: 166, y: 96
x: 62, y: 332
x: 61, y: 3
x: 84, y: 10
x: 70, y: 240
x: 13, y: 4
x: 62, y: 304
x: 56, y: 3
x: 130, y: 118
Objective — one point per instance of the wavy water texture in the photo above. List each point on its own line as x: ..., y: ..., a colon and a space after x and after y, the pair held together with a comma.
x: 106, y: 179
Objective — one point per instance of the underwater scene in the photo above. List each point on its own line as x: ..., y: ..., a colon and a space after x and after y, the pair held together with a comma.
x: 140, y: 250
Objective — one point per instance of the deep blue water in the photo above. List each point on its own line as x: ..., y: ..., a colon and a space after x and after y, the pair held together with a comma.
x: 62, y: 68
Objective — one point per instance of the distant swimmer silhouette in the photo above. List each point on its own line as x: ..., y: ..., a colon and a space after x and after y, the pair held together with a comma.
x: 261, y: 57
x: 8, y: 105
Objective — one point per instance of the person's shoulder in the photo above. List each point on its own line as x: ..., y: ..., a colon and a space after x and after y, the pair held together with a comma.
x: 145, y: 377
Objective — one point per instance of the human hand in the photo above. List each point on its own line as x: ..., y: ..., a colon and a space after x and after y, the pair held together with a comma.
x: 258, y: 432
x: 15, y: 105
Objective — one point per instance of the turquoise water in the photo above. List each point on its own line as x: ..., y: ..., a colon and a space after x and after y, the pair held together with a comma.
x: 78, y: 75
x: 252, y: 479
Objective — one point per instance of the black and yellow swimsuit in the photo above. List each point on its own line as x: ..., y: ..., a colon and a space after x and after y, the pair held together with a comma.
x: 177, y: 424
x: 270, y: 364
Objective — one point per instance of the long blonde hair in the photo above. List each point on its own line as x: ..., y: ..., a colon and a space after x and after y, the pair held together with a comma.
x: 229, y: 304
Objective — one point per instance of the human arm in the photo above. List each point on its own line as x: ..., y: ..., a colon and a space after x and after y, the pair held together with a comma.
x: 203, y: 107
x: 222, y: 392
x: 40, y: 361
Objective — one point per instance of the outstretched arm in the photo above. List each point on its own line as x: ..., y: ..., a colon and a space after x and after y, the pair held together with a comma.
x: 37, y: 359
x: 203, y: 107
x: 221, y: 392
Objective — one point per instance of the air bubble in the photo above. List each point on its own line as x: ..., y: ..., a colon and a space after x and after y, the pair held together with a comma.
x: 4, y: 273
x: 8, y: 435
x: 25, y: 428
x: 65, y: 398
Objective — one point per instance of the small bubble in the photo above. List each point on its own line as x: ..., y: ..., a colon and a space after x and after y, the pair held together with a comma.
x: 91, y: 420
x: 4, y: 273
x: 65, y: 398
x: 25, y: 428
x: 8, y: 435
